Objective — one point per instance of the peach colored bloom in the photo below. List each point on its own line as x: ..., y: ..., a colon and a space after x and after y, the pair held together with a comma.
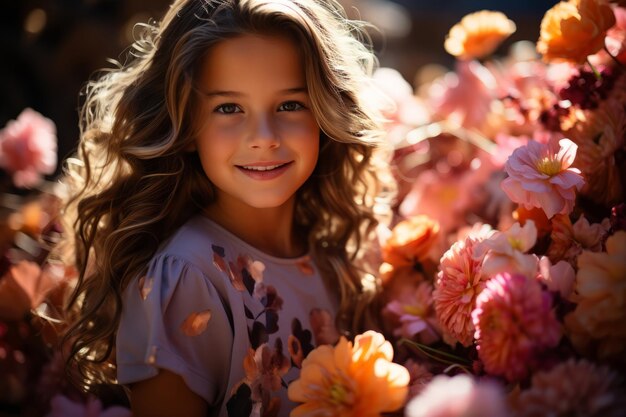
x: 514, y: 323
x: 600, y: 137
x: 28, y: 148
x: 541, y: 176
x: 572, y: 388
x: 559, y: 277
x: 458, y: 396
x: 505, y: 251
x: 414, y: 315
x: 567, y: 241
x: 350, y: 381
x: 572, y: 30
x: 478, y: 34
x: 464, y: 96
x: 411, y: 241
x: 458, y: 283
x: 597, y: 323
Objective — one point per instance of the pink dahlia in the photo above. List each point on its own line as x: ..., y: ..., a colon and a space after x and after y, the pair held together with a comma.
x: 514, y: 322
x: 28, y: 148
x: 459, y: 281
x: 458, y: 396
x: 540, y: 175
x: 572, y: 388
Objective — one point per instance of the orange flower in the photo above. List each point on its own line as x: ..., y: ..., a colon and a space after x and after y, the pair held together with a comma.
x: 572, y: 30
x: 411, y: 241
x: 350, y: 381
x: 478, y: 34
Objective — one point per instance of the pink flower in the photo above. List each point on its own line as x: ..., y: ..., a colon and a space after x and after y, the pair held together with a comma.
x: 505, y: 251
x: 558, y: 277
x: 64, y: 407
x: 540, y: 176
x: 28, y: 148
x: 514, y: 322
x: 459, y: 282
x: 465, y: 96
x: 572, y: 388
x: 458, y: 396
x: 415, y: 314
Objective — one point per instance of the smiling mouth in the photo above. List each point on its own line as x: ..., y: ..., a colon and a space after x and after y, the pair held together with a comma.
x: 258, y: 168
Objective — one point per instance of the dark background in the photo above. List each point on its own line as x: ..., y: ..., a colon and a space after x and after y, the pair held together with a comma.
x: 50, y: 48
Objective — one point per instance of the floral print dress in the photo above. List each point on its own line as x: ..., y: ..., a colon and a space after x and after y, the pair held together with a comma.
x: 234, y: 322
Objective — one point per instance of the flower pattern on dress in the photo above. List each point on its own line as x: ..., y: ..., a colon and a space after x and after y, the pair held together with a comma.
x: 265, y: 366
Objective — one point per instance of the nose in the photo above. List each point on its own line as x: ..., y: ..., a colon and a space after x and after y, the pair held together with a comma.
x: 263, y: 134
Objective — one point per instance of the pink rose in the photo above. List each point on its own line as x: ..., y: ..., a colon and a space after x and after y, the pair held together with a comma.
x: 28, y: 148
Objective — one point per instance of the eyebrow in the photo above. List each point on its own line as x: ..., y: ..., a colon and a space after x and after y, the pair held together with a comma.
x: 216, y: 93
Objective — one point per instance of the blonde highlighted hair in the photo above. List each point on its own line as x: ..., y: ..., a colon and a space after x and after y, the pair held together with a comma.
x: 134, y: 183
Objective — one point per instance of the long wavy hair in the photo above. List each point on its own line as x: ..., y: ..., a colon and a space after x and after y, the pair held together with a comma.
x: 133, y: 181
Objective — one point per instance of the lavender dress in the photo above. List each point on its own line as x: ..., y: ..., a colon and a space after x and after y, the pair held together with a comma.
x: 234, y: 322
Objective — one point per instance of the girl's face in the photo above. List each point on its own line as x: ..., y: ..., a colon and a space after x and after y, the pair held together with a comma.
x: 259, y: 140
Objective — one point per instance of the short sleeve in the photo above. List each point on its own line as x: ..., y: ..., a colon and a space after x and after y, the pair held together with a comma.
x: 174, y: 318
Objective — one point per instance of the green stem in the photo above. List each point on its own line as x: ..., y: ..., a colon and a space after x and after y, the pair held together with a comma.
x: 595, y: 71
x: 431, y: 352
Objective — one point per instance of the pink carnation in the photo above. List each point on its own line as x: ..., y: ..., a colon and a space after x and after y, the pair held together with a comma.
x: 514, y: 322
x: 459, y: 282
x: 458, y: 396
x: 540, y: 175
x: 28, y: 148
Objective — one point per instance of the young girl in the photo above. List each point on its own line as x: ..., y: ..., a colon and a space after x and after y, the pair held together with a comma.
x: 225, y: 190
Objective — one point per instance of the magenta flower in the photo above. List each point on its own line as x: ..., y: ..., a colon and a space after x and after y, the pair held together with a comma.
x: 540, y: 175
x: 28, y: 148
x: 514, y: 322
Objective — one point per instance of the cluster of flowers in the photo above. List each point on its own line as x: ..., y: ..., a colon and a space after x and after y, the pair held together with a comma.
x: 504, y: 276
x: 32, y: 371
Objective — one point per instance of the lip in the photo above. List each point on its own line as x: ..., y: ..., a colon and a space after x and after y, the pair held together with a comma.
x: 264, y: 175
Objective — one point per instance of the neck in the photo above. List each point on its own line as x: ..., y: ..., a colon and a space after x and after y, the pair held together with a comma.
x: 268, y: 229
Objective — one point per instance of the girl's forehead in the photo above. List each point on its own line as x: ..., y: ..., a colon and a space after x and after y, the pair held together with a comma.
x: 248, y: 59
